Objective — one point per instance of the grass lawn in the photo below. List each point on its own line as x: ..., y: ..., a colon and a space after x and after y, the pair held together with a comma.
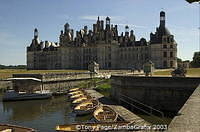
x: 5, y: 73
x: 190, y: 72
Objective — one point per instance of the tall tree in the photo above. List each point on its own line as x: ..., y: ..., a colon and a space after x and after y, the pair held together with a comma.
x: 196, y: 60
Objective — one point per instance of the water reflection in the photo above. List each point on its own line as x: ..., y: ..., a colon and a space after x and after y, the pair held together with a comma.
x: 30, y: 110
x: 42, y: 115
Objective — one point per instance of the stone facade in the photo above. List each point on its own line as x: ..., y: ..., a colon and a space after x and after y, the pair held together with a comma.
x: 104, y: 46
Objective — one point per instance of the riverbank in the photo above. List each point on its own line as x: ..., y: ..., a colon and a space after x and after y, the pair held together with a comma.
x: 191, y: 72
x: 6, y: 73
x: 104, y: 87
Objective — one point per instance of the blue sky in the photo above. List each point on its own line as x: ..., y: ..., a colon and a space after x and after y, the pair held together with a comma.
x: 18, y: 18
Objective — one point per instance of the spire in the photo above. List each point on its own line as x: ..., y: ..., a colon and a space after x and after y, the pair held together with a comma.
x: 35, y: 33
x: 107, y: 23
x: 66, y: 27
x: 126, y: 30
x: 162, y: 19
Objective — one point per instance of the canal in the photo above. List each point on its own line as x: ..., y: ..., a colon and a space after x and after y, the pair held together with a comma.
x: 42, y: 115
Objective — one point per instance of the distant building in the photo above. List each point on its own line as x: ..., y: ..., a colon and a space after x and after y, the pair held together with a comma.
x: 105, y: 47
x: 184, y: 64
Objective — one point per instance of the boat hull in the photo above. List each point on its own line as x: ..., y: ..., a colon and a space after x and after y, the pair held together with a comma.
x: 15, y: 128
x: 83, y: 112
x: 86, y: 111
x: 111, y: 116
x: 22, y: 97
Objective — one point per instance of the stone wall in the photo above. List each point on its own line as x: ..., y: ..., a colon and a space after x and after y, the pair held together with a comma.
x: 163, y: 93
x: 188, y: 118
x: 4, y: 85
x: 49, y: 81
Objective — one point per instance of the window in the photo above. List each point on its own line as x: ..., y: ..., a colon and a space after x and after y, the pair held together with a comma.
x: 109, y: 56
x: 171, y: 63
x: 165, y: 46
x: 164, y: 64
x: 171, y: 54
x: 168, y: 40
x: 172, y: 39
x: 171, y: 46
x: 109, y: 64
x: 164, y: 39
x: 164, y: 54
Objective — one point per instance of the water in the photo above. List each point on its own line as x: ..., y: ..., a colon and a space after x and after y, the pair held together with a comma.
x: 42, y: 115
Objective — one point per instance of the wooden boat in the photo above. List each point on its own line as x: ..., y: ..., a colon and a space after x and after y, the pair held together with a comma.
x: 80, y: 100
x: 94, y: 126
x: 76, y: 96
x: 14, y: 128
x: 73, y: 89
x: 105, y: 113
x: 86, y: 107
x: 75, y: 92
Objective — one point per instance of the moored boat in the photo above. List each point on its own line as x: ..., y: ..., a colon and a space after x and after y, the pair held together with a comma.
x: 73, y: 89
x: 17, y: 96
x: 14, y: 128
x: 105, y: 113
x: 75, y: 93
x: 76, y: 96
x: 80, y: 100
x: 86, y: 107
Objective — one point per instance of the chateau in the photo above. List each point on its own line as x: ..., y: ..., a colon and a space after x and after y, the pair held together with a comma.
x: 105, y: 46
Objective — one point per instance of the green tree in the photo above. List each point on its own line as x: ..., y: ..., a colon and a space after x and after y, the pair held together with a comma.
x: 191, y: 1
x: 196, y: 60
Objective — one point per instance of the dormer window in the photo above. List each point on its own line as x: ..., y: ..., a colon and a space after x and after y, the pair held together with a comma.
x: 168, y: 40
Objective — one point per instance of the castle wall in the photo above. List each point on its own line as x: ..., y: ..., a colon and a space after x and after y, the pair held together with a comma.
x: 105, y: 47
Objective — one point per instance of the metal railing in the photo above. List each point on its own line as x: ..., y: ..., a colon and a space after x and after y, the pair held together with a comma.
x: 141, y: 106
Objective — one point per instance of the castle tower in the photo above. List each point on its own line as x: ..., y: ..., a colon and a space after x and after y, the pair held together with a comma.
x: 85, y: 29
x: 107, y: 23
x: 162, y: 19
x: 66, y: 28
x: 35, y: 33
x: 165, y: 56
x: 102, y: 25
x: 98, y: 24
x: 132, y: 36
x: 126, y: 30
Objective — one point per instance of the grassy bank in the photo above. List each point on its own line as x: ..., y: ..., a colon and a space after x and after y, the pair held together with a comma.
x: 6, y: 73
x: 190, y: 72
x: 104, y: 87
x: 101, y: 85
